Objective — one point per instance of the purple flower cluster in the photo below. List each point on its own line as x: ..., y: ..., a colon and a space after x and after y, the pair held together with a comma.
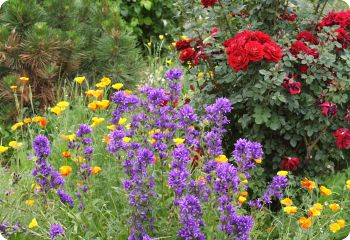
x: 245, y: 153
x: 178, y: 176
x: 56, y: 230
x: 7, y: 229
x: 125, y: 102
x: 46, y: 177
x: 216, y: 112
x: 216, y: 116
x: 65, y: 198
x: 275, y: 189
x: 140, y: 186
x: 191, y: 218
x: 227, y: 180
x: 235, y: 226
x: 159, y: 117
x: 84, y: 150
x: 174, y: 74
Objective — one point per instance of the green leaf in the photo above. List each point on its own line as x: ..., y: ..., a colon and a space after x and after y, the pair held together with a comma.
x: 275, y: 122
x: 261, y: 115
x: 146, y: 4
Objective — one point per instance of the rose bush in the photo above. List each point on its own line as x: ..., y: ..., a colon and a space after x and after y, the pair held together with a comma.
x: 286, y: 75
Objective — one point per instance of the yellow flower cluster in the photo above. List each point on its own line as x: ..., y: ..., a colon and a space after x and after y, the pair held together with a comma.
x: 337, y: 225
x: 97, y: 121
x: 12, y: 144
x: 103, y: 104
x: 60, y: 107
x: 104, y: 82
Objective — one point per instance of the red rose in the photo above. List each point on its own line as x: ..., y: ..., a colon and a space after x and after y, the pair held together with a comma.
x: 342, y: 136
x: 289, y: 17
x: 262, y: 37
x: 183, y: 44
x: 187, y: 54
x: 307, y: 37
x: 303, y: 68
x: 254, y: 50
x: 343, y: 18
x: 329, y: 20
x: 298, y: 47
x: 343, y: 37
x: 272, y: 52
x: 295, y: 88
x: 236, y: 44
x: 313, y: 52
x: 208, y: 3
x: 290, y: 163
x: 238, y: 60
x: 328, y: 108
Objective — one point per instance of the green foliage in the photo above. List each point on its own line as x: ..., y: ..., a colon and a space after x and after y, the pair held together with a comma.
x: 149, y: 18
x: 51, y: 40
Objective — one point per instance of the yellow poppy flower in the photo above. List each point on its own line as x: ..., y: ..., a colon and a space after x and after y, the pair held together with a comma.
x: 334, y: 227
x: 106, y: 80
x: 242, y: 199
x: 111, y: 127
x: 169, y: 62
x: 13, y: 88
x: 314, y: 212
x: 258, y: 161
x: 93, y: 105
x: 57, y: 110
x: 282, y: 173
x: 325, y: 191
x: 221, y: 159
x: 95, y: 170
x: 126, y: 139
x: 104, y: 104
x: 348, y: 184
x: 117, y: 86
x: 96, y: 121
x: 37, y: 119
x: 79, y: 80
x: 63, y: 104
x: 122, y: 121
x: 149, y: 44
x: 27, y: 120
x: 179, y: 141
x: 287, y: 202
x: 29, y: 202
x: 16, y: 125
x: 334, y: 207
x: 65, y: 170
x: 3, y: 149
x: 161, y: 37
x: 24, y: 79
x: 290, y: 210
x: 15, y: 144
x: 310, y: 185
x: 33, y: 223
x: 100, y: 85
x: 318, y: 206
x: 304, y: 222
x: 244, y: 194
